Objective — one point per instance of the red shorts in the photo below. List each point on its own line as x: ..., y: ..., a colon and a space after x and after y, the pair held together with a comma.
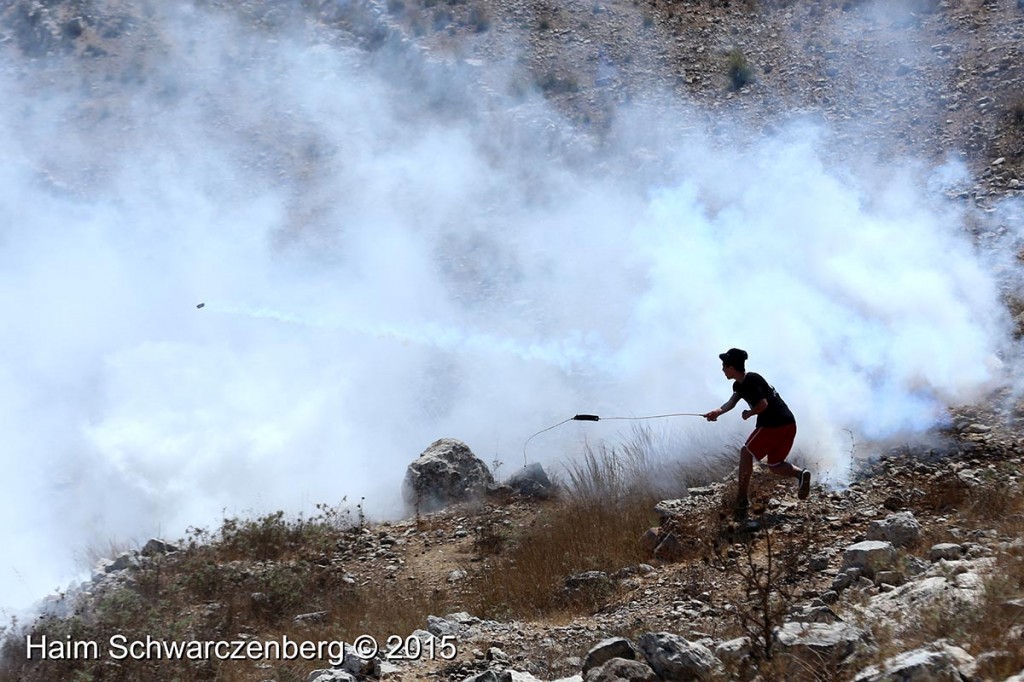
x: 773, y: 442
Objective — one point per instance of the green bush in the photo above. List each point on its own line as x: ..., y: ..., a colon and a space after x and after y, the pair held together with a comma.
x: 738, y: 69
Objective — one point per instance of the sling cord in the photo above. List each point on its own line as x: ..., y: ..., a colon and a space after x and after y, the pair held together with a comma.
x: 595, y: 418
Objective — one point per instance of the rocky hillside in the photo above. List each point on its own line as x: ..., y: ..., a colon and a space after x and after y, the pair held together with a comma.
x: 914, y: 571
x: 924, y: 77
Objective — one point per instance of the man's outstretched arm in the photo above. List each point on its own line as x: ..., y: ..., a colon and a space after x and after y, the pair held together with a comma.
x: 726, y: 406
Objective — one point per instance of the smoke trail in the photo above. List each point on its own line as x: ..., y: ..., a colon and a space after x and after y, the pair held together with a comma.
x: 567, y: 354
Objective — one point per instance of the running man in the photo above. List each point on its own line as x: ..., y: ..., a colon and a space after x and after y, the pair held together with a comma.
x: 773, y: 433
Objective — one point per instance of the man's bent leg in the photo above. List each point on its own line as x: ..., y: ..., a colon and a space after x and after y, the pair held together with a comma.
x: 789, y: 471
x: 785, y: 469
x: 746, y: 469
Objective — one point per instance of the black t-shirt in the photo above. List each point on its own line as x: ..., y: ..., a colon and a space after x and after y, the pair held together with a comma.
x: 753, y: 389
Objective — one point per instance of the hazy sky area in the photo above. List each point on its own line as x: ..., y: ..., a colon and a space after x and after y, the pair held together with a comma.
x: 381, y: 269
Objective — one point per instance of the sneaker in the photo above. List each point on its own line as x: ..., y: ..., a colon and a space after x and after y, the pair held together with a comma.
x: 805, y: 485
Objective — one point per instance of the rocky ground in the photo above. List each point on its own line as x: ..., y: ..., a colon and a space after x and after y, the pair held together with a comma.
x: 919, y: 77
x: 863, y: 580
x: 905, y: 502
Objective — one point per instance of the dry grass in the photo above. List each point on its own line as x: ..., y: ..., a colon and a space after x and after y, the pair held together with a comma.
x: 606, y: 504
x: 248, y: 579
x: 998, y: 507
x: 595, y: 525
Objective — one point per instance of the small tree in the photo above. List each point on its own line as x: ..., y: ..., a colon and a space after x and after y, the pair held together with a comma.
x: 768, y: 570
x: 766, y: 598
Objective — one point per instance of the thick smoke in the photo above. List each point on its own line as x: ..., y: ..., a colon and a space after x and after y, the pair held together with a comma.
x: 385, y: 263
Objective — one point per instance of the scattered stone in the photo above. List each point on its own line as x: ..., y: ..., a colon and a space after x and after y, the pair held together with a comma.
x: 945, y: 550
x: 892, y: 578
x: 588, y: 585
x: 605, y: 650
x: 915, y: 566
x: 358, y: 666
x: 821, y: 560
x: 900, y: 605
x: 155, y: 547
x: 667, y: 509
x: 486, y: 676
x: 314, y: 617
x: 443, y: 627
x: 733, y: 651
x: 331, y: 675
x: 814, y: 613
x: 842, y: 582
x: 516, y: 676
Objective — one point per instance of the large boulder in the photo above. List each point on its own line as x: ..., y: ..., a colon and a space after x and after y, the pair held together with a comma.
x: 621, y: 670
x: 871, y: 556
x: 900, y: 608
x: 532, y: 481
x: 445, y: 473
x: 674, y: 658
x: 939, y: 662
x: 901, y: 529
x: 945, y: 550
x: 822, y: 643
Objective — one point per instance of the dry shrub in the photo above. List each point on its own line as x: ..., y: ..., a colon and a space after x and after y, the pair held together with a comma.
x: 1003, y: 584
x: 1014, y: 112
x: 488, y: 539
x: 594, y: 525
x: 738, y: 69
x: 996, y: 504
x: 215, y: 589
x: 944, y: 493
x: 274, y: 536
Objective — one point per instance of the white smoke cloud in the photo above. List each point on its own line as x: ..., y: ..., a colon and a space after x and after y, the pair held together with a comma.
x: 381, y: 271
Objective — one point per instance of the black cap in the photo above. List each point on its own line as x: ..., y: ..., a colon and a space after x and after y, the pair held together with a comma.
x: 734, y: 357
